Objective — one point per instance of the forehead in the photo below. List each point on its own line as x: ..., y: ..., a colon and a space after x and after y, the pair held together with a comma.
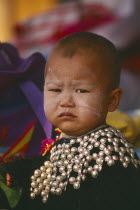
x: 77, y: 66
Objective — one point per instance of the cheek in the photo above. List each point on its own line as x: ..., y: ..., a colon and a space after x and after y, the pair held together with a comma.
x: 49, y: 103
x: 92, y: 105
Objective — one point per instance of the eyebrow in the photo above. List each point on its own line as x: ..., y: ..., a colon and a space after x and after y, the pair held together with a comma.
x: 75, y: 83
x: 53, y: 83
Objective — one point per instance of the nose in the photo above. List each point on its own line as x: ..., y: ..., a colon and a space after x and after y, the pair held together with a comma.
x: 67, y: 101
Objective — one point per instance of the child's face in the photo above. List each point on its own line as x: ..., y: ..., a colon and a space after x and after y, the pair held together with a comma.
x: 76, y: 98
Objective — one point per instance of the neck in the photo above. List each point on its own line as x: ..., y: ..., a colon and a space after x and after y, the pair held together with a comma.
x: 64, y: 135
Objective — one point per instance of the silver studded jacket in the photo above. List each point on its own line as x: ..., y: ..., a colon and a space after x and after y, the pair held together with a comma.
x: 72, y: 160
x: 96, y: 171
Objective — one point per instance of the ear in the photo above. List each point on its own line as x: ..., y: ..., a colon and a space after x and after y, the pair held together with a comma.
x: 114, y: 99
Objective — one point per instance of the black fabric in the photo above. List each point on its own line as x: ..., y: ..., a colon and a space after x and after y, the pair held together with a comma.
x: 115, y: 188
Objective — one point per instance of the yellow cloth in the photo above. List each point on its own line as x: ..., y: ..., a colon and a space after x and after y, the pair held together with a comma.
x: 128, y: 125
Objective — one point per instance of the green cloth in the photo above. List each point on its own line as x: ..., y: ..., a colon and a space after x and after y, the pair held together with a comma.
x: 12, y: 193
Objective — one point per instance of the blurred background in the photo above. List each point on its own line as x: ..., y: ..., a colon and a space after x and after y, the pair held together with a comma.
x: 36, y: 25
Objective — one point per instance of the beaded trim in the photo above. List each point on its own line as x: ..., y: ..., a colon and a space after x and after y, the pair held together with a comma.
x: 70, y: 162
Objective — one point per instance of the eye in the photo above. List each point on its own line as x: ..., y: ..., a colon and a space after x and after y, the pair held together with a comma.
x: 82, y: 91
x: 55, y: 90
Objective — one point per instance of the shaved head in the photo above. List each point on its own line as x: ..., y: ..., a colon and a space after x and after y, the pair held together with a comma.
x: 92, y: 44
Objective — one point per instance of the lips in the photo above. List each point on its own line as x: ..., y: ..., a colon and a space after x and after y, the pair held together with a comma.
x: 67, y: 115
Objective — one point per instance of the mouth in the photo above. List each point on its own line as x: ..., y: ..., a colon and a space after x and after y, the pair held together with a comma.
x: 67, y: 115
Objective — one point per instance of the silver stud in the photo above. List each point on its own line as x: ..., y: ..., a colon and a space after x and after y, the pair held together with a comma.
x: 67, y: 151
x: 33, y: 184
x: 100, y: 167
x: 84, y: 171
x: 95, y: 156
x: 83, y: 177
x: 72, y: 141
x: 103, y: 133
x: 107, y: 152
x: 136, y: 165
x: 93, y: 141
x: 48, y: 170
x: 36, y: 191
x: 77, y: 161
x: 97, y: 144
x: 110, y: 139
x: 53, y: 177
x: 48, y: 164
x: 123, y: 149
x: 70, y: 156
x: 58, y: 178
x: 58, y: 191
x: 122, y: 159
x: 55, y: 184
x: 81, y: 155
x: 109, y: 147
x: 92, y: 134
x: 39, y: 180
x: 102, y: 147
x: 37, y: 173
x: 66, y: 162
x: 44, y: 193
x: 73, y: 149
x: 47, y: 188
x: 63, y: 174
x: 132, y: 151
x: 90, y: 147
x: 67, y: 146
x: 96, y: 167
x: 115, y: 157
x: 40, y: 186
x: 107, y: 158
x: 45, y: 182
x: 127, y: 144
x: 76, y: 185
x: 101, y: 153
x: 75, y: 168
x: 110, y: 162
x: 99, y: 160
x: 116, y: 140
x: 61, y: 185
x: 59, y: 146
x: 109, y: 134
x: 125, y: 164
x: 52, y: 190
x: 127, y: 159
x: 94, y: 174
x: 117, y: 149
x: 86, y: 138
x: 69, y: 166
x: 32, y: 195
x: 62, y: 169
x: 78, y: 140
x: 42, y: 168
x: 72, y: 180
x: 78, y: 178
x: 33, y: 178
x: 103, y: 140
x: 80, y: 149
x: 89, y: 158
x: 86, y: 164
x: 63, y: 156
x: 89, y: 169
x: 44, y: 200
x: 121, y: 154
x: 43, y: 175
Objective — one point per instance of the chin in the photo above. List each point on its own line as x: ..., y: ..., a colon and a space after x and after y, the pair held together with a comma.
x: 69, y: 132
